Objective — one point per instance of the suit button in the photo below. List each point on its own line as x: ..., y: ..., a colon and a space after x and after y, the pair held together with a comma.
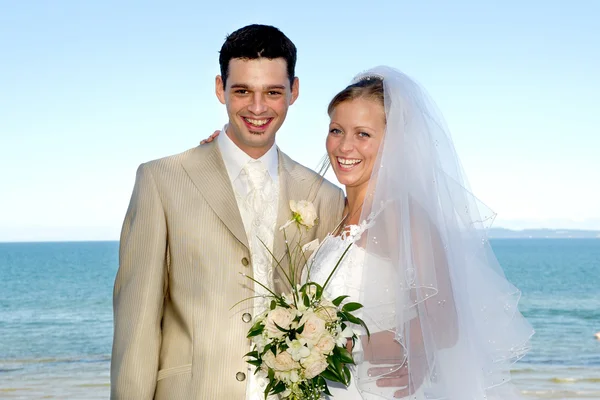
x: 246, y: 317
x: 240, y: 376
x: 245, y: 262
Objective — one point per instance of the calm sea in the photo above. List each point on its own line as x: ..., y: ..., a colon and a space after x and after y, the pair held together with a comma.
x: 56, y: 317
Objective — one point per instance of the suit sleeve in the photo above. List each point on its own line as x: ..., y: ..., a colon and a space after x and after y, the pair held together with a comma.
x: 139, y: 293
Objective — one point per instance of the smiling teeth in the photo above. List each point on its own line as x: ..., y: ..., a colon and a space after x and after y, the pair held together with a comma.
x: 345, y: 161
x: 257, y: 122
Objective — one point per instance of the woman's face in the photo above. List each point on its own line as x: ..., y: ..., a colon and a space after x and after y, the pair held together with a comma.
x: 356, y: 130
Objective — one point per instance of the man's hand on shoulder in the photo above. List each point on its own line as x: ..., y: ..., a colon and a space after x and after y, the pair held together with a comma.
x: 210, y: 138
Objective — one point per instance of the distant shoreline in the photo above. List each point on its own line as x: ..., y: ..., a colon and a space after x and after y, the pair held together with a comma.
x: 503, y: 233
x: 493, y: 233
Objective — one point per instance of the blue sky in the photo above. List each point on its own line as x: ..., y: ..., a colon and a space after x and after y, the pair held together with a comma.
x: 89, y: 90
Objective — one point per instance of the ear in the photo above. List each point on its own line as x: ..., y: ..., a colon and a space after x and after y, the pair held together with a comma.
x: 295, y: 90
x: 220, y: 89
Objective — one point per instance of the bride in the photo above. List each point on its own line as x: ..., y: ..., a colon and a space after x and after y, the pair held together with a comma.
x: 443, y: 318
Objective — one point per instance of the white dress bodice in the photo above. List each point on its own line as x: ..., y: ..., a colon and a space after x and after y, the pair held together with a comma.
x: 347, y: 277
x: 345, y: 281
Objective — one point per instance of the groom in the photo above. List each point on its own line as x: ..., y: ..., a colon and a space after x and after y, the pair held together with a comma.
x: 197, y: 222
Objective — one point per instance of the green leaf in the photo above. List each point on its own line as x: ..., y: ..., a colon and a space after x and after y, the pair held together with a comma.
x: 364, y: 325
x: 339, y: 367
x: 349, y: 307
x: 306, y: 300
x: 268, y: 389
x: 253, y: 353
x: 279, y: 387
x: 348, y: 375
x: 331, y: 375
x: 273, y: 304
x: 300, y: 329
x: 267, y: 347
x: 344, y: 355
x: 320, y: 381
x: 319, y: 292
x: 256, y: 363
x: 351, y: 318
x: 338, y: 300
x: 256, y: 330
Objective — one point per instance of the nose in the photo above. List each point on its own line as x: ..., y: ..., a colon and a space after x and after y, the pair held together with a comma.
x: 258, y: 105
x: 346, y: 144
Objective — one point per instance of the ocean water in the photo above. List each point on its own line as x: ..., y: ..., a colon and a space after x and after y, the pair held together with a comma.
x: 56, y: 317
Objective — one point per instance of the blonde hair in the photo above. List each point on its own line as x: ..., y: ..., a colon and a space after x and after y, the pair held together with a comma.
x: 368, y: 87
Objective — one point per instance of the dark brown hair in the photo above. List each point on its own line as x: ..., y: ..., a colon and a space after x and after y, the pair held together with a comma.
x: 255, y: 41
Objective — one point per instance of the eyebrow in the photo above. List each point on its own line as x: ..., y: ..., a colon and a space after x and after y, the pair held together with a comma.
x: 354, y: 127
x: 269, y: 87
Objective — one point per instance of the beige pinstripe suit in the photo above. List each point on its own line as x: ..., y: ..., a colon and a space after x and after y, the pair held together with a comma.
x: 183, y: 246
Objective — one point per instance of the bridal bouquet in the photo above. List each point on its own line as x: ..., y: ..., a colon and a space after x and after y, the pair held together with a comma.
x: 300, y: 341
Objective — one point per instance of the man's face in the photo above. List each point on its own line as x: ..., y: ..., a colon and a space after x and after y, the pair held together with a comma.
x: 257, y: 97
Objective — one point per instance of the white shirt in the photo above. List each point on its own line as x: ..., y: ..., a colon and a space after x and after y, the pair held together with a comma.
x: 235, y: 159
x: 256, y: 226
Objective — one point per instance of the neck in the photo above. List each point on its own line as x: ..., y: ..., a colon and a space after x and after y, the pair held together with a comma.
x: 254, y: 152
x: 355, y: 197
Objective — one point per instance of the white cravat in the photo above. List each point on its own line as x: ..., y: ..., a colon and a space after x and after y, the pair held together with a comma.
x: 258, y: 208
x: 257, y: 177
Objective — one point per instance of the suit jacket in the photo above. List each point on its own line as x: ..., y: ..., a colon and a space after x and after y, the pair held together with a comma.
x: 182, y: 252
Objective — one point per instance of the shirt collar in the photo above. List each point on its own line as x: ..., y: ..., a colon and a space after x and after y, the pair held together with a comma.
x: 235, y: 158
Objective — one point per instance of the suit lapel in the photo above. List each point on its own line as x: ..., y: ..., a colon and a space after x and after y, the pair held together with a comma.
x: 206, y: 169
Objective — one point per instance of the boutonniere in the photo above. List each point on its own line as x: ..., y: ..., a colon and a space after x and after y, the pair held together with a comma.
x: 303, y: 213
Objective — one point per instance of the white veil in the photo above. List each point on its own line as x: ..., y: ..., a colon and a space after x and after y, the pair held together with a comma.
x: 436, y: 300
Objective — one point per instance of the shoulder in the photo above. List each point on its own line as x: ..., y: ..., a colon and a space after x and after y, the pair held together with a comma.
x: 315, y: 182
x: 176, y: 163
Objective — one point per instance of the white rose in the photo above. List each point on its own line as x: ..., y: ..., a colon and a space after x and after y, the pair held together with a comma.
x: 282, y: 362
x: 280, y: 316
x: 304, y: 212
x: 314, y: 327
x: 314, y: 364
x: 325, y: 345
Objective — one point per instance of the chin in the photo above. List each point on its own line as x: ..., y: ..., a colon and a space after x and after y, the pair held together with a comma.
x: 345, y: 180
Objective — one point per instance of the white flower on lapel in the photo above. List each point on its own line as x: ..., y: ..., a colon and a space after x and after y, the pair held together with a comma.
x: 303, y: 213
